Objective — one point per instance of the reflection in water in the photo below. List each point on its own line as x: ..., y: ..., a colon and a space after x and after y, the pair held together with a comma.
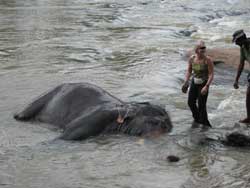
x: 202, y: 175
x: 198, y: 165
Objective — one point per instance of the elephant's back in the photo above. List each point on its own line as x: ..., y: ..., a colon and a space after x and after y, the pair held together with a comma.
x: 74, y: 100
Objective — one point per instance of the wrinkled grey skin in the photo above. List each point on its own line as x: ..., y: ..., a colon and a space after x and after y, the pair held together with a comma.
x: 83, y: 110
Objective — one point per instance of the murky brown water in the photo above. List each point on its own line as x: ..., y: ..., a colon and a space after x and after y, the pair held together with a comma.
x: 132, y: 49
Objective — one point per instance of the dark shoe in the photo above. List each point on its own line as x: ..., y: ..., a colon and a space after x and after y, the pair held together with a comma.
x: 246, y: 121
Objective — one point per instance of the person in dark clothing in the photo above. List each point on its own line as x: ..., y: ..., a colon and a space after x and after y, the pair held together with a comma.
x: 201, y: 68
x: 240, y: 39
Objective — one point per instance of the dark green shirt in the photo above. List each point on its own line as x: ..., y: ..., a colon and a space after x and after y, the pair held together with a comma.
x: 200, y: 70
x: 245, y: 53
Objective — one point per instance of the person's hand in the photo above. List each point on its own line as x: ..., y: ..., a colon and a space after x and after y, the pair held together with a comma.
x: 204, y: 90
x: 184, y: 87
x: 236, y: 85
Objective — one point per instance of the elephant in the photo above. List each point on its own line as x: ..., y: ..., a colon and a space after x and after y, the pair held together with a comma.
x: 84, y: 110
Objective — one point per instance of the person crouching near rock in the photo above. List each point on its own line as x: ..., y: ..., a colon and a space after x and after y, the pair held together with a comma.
x: 240, y: 39
x: 201, y: 68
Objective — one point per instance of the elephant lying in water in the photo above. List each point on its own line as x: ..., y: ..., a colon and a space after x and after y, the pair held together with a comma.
x: 83, y: 110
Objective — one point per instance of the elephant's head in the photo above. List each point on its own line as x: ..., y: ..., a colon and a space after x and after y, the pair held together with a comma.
x: 145, y: 119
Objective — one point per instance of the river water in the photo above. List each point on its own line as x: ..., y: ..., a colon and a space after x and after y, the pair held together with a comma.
x: 133, y: 49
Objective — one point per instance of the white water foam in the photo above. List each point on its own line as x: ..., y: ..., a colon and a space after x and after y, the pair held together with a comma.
x: 232, y: 1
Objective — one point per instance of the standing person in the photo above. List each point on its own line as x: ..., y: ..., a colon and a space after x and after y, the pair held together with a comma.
x: 240, y: 39
x: 202, y: 69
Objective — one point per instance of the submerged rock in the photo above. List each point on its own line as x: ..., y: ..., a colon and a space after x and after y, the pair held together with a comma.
x: 172, y: 158
x: 237, y: 139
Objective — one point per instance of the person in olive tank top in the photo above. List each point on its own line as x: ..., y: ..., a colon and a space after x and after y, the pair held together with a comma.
x: 201, y: 68
x: 240, y: 39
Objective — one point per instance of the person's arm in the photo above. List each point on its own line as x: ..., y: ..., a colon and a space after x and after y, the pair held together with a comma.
x: 210, y: 72
x: 240, y: 69
x: 189, y: 70
x: 210, y: 76
x: 188, y: 75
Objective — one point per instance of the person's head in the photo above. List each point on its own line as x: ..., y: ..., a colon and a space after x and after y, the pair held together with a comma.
x: 239, y: 37
x: 200, y: 47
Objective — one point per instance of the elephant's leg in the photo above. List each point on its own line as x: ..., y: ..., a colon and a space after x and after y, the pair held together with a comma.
x: 91, y: 125
x: 35, y: 107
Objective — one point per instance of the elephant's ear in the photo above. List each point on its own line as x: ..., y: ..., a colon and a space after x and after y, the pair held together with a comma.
x: 91, y: 125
